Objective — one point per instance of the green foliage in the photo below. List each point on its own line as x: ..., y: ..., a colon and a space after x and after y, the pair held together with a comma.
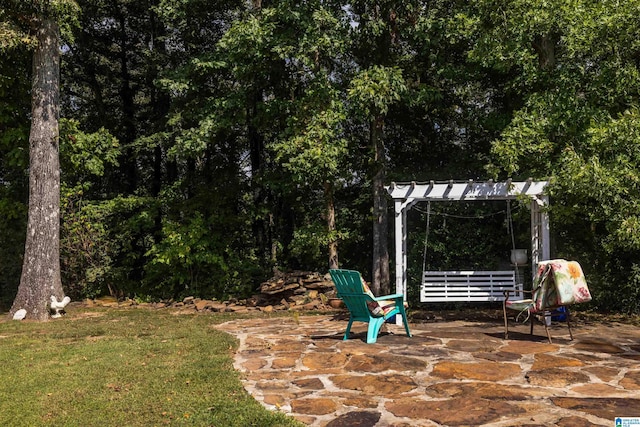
x: 84, y: 155
x: 13, y: 216
x: 10, y: 34
x: 86, y: 250
x: 205, y: 139
x: 374, y: 90
x: 87, y: 247
x: 314, y: 152
x: 98, y: 243
x: 309, y: 244
x: 576, y: 65
x: 284, y: 60
x: 188, y: 259
x: 599, y: 187
x: 16, y: 17
x: 14, y: 160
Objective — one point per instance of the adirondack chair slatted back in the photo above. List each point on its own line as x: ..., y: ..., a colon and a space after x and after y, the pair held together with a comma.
x: 349, y: 288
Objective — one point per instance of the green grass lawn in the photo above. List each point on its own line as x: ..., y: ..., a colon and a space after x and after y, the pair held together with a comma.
x: 124, y: 367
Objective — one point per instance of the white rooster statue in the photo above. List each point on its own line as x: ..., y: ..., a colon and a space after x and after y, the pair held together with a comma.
x: 58, y: 306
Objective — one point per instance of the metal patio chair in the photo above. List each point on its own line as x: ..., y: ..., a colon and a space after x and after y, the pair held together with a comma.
x: 557, y: 284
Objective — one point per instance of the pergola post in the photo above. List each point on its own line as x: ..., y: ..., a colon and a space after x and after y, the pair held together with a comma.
x: 540, y: 235
x: 401, y: 255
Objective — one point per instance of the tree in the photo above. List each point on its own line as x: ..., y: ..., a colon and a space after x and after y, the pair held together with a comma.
x: 40, y: 277
x: 14, y: 161
x: 372, y: 92
x: 283, y: 62
x: 576, y: 71
x: 313, y: 155
x: 172, y: 207
x: 312, y: 146
x: 41, y: 266
x: 110, y: 74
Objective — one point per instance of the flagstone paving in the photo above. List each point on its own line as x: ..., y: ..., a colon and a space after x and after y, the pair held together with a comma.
x: 450, y: 373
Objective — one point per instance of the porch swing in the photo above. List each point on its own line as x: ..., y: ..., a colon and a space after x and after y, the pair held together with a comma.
x: 444, y: 286
x: 472, y: 285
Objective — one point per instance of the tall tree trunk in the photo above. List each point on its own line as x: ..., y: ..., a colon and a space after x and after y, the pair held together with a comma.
x: 545, y: 46
x: 260, y: 225
x: 380, y: 272
x: 127, y: 99
x: 41, y: 264
x: 160, y: 101
x: 331, y: 225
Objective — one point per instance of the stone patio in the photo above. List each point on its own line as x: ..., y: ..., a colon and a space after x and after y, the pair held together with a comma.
x: 451, y: 373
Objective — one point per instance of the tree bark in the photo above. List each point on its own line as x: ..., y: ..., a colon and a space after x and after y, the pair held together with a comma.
x: 331, y: 225
x: 545, y: 46
x: 380, y: 272
x: 127, y: 98
x: 260, y: 225
x: 40, y: 277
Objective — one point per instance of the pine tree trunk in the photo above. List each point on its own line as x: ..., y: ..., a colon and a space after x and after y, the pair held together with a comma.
x: 380, y: 273
x: 41, y: 264
x: 127, y: 100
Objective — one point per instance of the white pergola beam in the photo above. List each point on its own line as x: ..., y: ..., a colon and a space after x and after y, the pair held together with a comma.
x: 469, y: 190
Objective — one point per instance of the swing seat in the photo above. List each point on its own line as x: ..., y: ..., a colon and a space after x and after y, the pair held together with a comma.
x: 364, y: 306
x: 468, y: 286
x: 558, y: 284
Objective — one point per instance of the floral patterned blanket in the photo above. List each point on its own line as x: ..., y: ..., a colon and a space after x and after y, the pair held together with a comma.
x: 559, y: 282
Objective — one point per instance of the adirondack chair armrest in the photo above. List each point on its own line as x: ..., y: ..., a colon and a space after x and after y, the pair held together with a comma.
x: 388, y: 297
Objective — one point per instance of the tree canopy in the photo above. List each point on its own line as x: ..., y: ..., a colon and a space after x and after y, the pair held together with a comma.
x: 203, y: 144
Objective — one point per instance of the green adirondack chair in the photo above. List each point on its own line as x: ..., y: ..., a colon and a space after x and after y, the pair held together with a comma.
x: 364, y: 306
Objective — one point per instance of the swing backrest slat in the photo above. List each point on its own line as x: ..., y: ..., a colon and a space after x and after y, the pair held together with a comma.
x: 468, y: 286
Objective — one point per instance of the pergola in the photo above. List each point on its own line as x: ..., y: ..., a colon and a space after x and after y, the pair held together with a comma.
x: 407, y: 194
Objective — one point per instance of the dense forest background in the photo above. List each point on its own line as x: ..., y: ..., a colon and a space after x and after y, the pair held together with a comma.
x: 205, y: 143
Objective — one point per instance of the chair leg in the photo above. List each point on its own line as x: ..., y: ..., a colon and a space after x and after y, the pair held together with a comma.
x: 374, y: 328
x: 531, y: 320
x: 506, y: 323
x: 346, y: 334
x: 566, y: 309
x: 405, y: 322
x: 546, y: 328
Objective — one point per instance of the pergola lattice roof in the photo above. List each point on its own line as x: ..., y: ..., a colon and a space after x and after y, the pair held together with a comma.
x: 466, y: 190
